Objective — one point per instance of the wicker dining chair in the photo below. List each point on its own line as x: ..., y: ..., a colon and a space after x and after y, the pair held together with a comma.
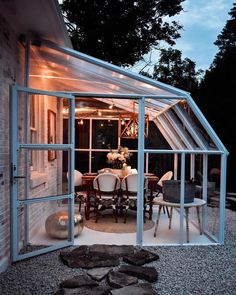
x: 106, y: 187
x: 129, y: 188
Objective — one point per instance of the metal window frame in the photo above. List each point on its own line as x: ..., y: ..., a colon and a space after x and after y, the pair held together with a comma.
x: 177, y: 94
x: 15, y: 147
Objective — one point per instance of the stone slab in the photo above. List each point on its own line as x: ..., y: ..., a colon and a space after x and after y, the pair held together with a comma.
x: 140, y: 257
x: 90, y: 261
x: 142, y: 272
x: 101, y: 290
x: 118, y: 279
x: 111, y: 249
x: 99, y: 273
x: 78, y: 281
x: 142, y: 289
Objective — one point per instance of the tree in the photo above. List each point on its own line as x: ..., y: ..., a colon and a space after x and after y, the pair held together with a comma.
x: 174, y: 70
x: 217, y: 92
x: 120, y: 31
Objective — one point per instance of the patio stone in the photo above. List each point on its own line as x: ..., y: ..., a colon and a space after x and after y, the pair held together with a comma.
x: 101, y: 290
x: 111, y: 249
x: 100, y: 259
x: 72, y: 255
x: 144, y: 273
x: 78, y: 281
x: 141, y: 289
x: 104, y: 260
x: 141, y: 257
x: 118, y: 279
x: 99, y: 273
x: 79, y: 258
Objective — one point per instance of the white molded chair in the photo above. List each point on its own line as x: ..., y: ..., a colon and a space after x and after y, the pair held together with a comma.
x: 167, y: 176
x: 129, y: 187
x: 80, y: 196
x: 106, y: 187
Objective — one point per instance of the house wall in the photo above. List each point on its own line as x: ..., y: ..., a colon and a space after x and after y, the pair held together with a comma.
x: 49, y: 182
x: 11, y: 60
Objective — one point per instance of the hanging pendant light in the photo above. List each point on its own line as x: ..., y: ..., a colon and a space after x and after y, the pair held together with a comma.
x: 128, y: 125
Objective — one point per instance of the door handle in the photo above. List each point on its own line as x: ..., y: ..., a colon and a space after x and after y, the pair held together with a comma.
x: 19, y: 177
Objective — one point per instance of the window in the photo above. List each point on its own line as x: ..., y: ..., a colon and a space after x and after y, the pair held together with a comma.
x: 33, y: 109
x: 105, y: 134
x: 35, y: 133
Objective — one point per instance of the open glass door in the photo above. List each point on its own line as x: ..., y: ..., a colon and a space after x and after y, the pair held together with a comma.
x: 42, y: 198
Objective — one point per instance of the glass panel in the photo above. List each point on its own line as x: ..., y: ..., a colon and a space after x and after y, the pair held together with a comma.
x: 212, y: 212
x: 160, y: 163
x: 185, y: 111
x: 105, y: 134
x: 82, y: 134
x: 131, y: 143
x: 82, y: 161
x: 133, y: 161
x: 47, y: 180
x: 74, y: 74
x: 43, y: 224
x: 99, y: 161
x: 41, y: 122
x: 201, y: 212
x: 155, y: 139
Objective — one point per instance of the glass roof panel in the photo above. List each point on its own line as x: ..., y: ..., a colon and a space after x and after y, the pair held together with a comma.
x: 63, y: 70
x: 57, y: 71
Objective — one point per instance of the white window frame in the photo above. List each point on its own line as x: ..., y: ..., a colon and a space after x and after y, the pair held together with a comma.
x: 37, y: 130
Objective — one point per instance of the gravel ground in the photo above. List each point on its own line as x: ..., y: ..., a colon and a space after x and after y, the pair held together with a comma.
x: 182, y: 270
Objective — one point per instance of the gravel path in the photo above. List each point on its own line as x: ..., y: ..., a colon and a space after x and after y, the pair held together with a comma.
x: 183, y: 270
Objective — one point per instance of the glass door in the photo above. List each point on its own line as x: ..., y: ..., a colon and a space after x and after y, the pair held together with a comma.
x: 42, y: 197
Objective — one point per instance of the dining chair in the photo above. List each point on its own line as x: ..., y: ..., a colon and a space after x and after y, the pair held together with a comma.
x: 167, y: 176
x: 129, y: 188
x: 80, y: 194
x: 106, y: 187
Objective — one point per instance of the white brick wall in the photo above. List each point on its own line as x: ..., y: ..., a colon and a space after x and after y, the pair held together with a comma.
x: 9, y: 65
x: 11, y: 71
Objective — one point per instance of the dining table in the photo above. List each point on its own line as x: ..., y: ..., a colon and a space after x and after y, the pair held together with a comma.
x: 88, y: 178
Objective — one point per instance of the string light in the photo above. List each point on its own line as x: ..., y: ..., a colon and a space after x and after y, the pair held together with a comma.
x: 99, y: 113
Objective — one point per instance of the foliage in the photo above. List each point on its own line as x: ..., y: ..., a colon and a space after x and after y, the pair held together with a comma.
x: 174, y: 70
x: 118, y: 159
x: 226, y: 41
x: 121, y: 31
x: 217, y: 91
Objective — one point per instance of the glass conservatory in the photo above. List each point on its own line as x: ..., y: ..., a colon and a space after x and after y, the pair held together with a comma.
x: 81, y: 119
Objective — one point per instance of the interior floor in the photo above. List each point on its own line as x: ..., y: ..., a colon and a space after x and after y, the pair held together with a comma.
x: 165, y: 236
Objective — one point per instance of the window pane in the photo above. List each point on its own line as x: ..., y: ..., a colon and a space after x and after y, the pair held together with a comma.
x: 105, y: 133
x: 65, y: 131
x: 82, y: 161
x: 160, y: 164
x: 99, y: 161
x: 130, y: 143
x: 82, y: 134
x: 155, y: 139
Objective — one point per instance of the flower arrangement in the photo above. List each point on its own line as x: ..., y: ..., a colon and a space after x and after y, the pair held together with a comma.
x: 118, y: 159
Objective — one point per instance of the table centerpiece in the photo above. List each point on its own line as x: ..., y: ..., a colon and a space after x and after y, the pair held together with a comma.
x: 118, y: 160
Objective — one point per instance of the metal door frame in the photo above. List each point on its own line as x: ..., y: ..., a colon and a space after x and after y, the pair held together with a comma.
x: 15, y: 148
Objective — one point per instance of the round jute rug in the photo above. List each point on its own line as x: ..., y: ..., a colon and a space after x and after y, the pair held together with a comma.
x: 106, y: 223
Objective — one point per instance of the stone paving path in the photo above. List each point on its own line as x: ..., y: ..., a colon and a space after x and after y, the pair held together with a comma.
x: 108, y: 272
